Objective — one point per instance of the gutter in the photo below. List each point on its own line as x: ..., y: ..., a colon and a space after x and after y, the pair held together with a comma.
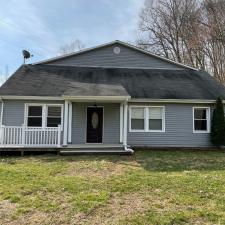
x: 182, y: 101
x: 92, y: 98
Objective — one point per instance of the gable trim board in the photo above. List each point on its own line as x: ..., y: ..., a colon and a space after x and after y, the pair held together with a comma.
x: 111, y: 43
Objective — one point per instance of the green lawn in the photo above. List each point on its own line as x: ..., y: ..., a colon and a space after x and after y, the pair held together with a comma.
x: 150, y: 187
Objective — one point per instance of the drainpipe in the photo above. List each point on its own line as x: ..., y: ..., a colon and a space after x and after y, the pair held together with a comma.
x: 125, y: 130
x: 2, y: 108
x: 127, y: 149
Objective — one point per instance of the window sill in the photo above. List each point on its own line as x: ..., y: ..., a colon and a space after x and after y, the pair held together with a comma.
x: 146, y: 131
x: 201, y: 132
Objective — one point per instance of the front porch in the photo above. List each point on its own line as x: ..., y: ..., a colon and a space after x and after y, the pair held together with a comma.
x: 73, y: 134
x: 79, y: 131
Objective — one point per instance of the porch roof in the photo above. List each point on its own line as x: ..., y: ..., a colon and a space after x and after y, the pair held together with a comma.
x: 82, y: 89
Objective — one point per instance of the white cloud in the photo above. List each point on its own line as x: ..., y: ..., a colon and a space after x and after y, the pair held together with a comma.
x: 43, y: 26
x: 21, y: 22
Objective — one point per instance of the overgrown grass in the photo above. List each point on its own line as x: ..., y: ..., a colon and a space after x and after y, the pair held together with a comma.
x: 150, y: 187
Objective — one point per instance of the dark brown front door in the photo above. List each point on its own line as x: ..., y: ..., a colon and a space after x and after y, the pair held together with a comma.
x: 94, y: 124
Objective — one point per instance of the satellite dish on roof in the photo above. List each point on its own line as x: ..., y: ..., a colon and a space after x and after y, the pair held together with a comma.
x: 26, y: 55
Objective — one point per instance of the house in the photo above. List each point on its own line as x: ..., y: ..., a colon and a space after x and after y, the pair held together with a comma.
x: 113, y: 98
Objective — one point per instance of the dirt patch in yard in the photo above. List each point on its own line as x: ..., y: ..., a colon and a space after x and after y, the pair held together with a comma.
x: 100, y: 168
x: 6, y: 209
x: 39, y: 218
x: 119, y: 207
x: 9, y: 216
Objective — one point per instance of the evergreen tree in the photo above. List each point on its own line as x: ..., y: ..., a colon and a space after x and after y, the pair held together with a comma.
x: 218, y: 124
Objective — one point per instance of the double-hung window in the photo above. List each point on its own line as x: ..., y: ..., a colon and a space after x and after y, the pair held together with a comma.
x: 34, y: 118
x: 201, y: 119
x: 43, y: 115
x: 53, y: 116
x: 156, y: 117
x: 138, y: 118
x: 147, y: 118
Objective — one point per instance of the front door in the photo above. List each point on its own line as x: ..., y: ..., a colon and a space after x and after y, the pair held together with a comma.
x: 94, y: 124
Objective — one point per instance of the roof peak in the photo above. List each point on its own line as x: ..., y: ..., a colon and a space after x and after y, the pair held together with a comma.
x: 128, y: 45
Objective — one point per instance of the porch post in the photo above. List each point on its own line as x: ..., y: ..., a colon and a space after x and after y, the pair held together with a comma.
x: 121, y: 122
x: 125, y: 124
x: 65, y: 130
x: 70, y: 123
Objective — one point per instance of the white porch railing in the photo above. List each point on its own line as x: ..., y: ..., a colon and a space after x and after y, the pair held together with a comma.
x: 22, y: 136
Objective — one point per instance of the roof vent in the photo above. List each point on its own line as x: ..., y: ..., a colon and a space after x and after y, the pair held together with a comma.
x: 116, y: 50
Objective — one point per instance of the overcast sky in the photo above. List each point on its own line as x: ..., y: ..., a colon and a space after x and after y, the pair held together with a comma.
x: 42, y: 26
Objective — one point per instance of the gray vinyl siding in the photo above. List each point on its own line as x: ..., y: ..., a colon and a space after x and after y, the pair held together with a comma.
x: 111, y: 123
x: 105, y: 57
x: 178, y: 124
x: 13, y: 112
x: 178, y: 130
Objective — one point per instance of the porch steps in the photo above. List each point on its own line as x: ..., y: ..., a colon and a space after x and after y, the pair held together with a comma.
x: 112, y: 150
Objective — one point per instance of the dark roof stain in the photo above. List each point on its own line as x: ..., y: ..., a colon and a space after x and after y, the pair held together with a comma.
x: 48, y: 80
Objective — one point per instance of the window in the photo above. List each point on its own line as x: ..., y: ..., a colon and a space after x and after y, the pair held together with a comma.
x: 137, y: 119
x: 155, y: 118
x: 201, y: 119
x: 34, y: 116
x: 53, y: 116
x: 43, y: 115
x: 147, y: 119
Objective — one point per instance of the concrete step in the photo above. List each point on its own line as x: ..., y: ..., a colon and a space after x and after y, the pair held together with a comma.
x: 94, y: 151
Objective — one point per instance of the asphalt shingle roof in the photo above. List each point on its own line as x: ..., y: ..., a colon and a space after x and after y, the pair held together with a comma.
x: 48, y: 80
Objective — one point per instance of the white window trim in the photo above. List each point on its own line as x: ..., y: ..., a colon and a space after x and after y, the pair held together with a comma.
x: 208, y: 119
x: 44, y: 112
x: 146, y: 119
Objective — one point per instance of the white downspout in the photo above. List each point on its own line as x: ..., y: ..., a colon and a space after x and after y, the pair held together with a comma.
x: 126, y: 148
x: 65, y: 130
x: 70, y: 123
x: 121, y: 122
x: 1, y: 121
x: 2, y: 110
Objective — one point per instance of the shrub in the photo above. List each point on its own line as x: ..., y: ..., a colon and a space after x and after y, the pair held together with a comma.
x: 218, y: 124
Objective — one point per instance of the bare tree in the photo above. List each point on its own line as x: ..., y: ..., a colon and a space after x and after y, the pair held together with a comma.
x: 169, y: 26
x: 4, y: 75
x: 213, y: 21
x: 187, y: 31
x: 71, y: 47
